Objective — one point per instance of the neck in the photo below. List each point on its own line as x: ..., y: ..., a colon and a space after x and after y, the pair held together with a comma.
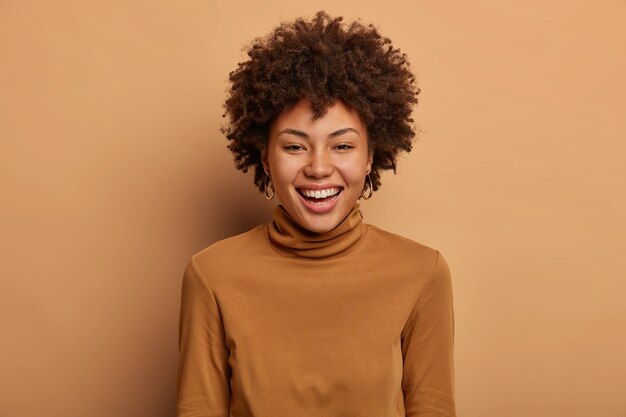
x: 292, y: 239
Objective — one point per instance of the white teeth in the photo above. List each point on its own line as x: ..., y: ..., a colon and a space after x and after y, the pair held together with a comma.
x: 328, y: 192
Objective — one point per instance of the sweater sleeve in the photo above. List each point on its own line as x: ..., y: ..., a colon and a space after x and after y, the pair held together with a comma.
x: 427, y: 349
x: 203, y: 373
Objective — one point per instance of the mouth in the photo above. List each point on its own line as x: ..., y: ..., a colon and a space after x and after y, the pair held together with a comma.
x: 320, y: 197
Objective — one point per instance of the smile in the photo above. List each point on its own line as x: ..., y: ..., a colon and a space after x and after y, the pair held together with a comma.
x: 319, y: 198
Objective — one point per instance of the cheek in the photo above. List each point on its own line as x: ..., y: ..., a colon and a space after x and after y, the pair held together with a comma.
x: 284, y: 171
x: 353, y: 172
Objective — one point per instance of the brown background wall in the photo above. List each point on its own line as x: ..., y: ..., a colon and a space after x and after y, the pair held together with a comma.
x: 113, y: 172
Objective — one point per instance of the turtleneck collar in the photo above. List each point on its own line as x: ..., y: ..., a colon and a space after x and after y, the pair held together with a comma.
x: 288, y: 236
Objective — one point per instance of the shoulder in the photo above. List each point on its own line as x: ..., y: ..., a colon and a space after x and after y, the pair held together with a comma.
x: 232, y: 244
x: 427, y: 264
x: 392, y: 246
x: 227, y: 254
x: 391, y: 241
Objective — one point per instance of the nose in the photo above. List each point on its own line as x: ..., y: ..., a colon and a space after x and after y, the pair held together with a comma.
x: 319, y: 165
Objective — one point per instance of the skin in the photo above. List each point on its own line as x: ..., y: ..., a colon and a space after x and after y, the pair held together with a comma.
x: 325, y: 153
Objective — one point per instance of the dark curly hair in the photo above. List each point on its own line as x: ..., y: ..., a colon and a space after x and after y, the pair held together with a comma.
x: 322, y: 60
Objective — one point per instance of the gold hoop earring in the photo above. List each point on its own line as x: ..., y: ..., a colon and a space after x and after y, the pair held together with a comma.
x: 268, y: 185
x: 369, y: 187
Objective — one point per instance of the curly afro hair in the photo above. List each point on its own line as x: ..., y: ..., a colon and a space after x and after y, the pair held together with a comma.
x: 322, y: 60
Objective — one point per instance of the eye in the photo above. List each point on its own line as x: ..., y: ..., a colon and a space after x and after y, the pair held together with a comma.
x: 344, y: 147
x: 294, y: 147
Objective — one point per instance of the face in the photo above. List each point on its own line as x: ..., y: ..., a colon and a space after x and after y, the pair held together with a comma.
x: 318, y: 167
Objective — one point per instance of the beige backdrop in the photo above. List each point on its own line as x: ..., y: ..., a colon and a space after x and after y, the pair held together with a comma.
x: 113, y: 172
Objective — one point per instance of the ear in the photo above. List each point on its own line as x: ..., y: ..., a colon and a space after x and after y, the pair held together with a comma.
x: 264, y: 160
x: 370, y: 159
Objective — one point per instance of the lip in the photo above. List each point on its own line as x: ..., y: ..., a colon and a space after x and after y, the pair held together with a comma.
x: 318, y: 187
x: 320, y: 208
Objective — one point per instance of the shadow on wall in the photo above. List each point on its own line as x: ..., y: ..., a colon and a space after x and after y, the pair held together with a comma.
x: 241, y: 211
x: 233, y: 201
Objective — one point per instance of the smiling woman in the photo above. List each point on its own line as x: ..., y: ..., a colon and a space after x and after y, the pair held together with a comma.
x: 318, y: 313
x: 318, y: 166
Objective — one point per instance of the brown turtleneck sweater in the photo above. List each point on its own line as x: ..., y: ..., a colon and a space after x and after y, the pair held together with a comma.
x: 282, y: 322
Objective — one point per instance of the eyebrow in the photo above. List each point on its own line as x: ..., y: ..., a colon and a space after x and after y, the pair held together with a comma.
x: 304, y: 135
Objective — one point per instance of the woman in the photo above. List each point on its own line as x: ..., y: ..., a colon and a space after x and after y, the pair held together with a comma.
x: 317, y: 313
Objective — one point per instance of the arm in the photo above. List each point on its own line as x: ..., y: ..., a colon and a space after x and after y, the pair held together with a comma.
x: 427, y: 349
x: 203, y: 373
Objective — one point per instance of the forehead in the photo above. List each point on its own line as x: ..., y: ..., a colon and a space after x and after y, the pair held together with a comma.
x: 300, y: 116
